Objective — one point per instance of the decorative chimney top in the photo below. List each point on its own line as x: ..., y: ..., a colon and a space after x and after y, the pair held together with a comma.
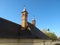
x: 33, y: 21
x: 24, y: 10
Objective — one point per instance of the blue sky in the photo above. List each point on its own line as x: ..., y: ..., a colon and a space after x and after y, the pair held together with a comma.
x: 46, y: 12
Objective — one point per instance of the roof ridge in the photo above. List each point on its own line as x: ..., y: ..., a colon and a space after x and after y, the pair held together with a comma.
x: 8, y: 20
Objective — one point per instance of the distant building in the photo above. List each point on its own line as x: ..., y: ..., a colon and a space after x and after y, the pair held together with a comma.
x: 25, y: 34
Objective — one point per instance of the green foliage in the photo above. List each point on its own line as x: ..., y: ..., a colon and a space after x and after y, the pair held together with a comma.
x: 59, y: 38
x: 51, y: 35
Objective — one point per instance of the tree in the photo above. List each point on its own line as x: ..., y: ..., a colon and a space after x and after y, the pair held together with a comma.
x: 59, y: 38
x: 50, y: 34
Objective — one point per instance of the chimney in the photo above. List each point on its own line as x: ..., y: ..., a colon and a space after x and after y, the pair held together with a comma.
x: 33, y: 21
x: 24, y: 18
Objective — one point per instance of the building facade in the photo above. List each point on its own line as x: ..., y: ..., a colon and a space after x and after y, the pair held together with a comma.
x: 25, y: 34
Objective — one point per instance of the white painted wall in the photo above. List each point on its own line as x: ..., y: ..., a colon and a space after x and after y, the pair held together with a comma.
x: 24, y: 42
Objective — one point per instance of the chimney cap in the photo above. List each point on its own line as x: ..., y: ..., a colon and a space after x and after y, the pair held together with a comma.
x: 33, y: 18
x: 24, y: 10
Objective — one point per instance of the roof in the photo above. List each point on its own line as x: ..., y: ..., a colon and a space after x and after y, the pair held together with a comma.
x: 9, y: 29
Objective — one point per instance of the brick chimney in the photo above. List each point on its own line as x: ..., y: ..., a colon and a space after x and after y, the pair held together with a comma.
x: 24, y: 18
x: 33, y: 21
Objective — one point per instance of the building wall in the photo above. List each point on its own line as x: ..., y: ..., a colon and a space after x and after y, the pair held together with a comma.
x: 24, y: 42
